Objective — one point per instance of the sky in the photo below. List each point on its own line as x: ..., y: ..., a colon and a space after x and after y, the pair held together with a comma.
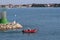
x: 28, y: 1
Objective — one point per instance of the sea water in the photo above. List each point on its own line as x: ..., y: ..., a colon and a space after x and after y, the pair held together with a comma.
x: 45, y: 20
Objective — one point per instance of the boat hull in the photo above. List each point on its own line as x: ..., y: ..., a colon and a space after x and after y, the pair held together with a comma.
x: 29, y: 31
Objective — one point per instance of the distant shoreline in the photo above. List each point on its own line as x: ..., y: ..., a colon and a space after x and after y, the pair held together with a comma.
x: 29, y: 5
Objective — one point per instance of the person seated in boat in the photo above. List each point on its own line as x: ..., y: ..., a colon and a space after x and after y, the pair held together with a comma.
x: 29, y: 29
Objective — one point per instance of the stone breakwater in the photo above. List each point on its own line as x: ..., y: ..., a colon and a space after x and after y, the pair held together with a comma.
x: 10, y: 26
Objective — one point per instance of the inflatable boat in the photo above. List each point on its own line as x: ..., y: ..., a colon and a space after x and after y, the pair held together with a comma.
x: 29, y: 31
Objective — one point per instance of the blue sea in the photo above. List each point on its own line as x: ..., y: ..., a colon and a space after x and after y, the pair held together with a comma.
x: 45, y: 20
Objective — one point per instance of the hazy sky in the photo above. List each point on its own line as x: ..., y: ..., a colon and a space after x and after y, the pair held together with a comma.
x: 27, y: 1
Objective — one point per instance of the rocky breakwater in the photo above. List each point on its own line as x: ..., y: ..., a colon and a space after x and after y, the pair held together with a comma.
x: 10, y: 26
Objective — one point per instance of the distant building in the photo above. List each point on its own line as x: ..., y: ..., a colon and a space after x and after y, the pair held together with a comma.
x: 16, y: 6
x: 10, y: 5
x: 4, y: 6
